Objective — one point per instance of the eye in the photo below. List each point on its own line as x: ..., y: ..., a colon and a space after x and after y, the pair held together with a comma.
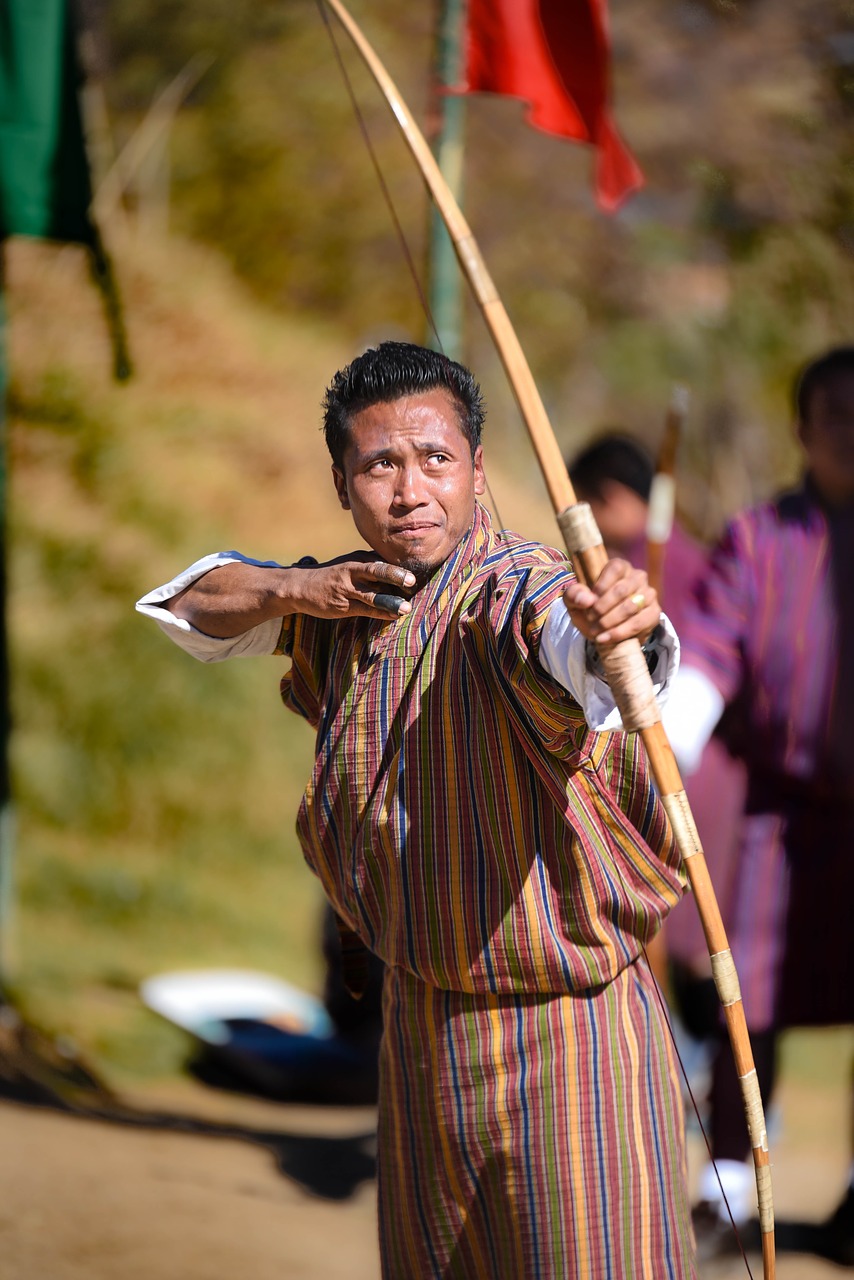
x: 438, y: 457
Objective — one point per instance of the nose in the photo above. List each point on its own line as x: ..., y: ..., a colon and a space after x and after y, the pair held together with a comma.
x: 408, y: 492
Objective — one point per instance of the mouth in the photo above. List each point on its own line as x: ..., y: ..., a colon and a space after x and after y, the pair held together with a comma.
x: 411, y: 532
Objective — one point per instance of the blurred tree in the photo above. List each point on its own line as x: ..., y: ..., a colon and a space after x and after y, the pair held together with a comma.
x: 733, y: 265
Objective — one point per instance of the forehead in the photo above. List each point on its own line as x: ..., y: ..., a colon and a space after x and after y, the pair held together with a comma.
x: 429, y: 417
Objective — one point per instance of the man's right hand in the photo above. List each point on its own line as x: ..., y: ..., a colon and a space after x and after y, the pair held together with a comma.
x: 353, y: 586
x: 235, y: 597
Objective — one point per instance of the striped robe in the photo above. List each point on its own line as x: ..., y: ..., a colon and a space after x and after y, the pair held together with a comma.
x: 773, y: 628
x: 506, y: 864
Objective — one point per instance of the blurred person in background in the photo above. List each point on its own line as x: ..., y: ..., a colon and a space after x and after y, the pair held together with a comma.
x: 472, y: 828
x: 614, y: 474
x: 771, y: 633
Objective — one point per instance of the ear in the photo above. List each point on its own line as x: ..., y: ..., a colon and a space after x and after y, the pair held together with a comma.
x: 479, y: 475
x: 341, y: 487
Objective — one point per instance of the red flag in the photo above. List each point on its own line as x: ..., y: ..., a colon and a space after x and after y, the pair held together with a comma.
x: 554, y: 55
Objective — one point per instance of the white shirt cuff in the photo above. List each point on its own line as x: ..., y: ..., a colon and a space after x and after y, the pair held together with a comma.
x: 262, y: 639
x: 563, y: 653
x: 691, y: 716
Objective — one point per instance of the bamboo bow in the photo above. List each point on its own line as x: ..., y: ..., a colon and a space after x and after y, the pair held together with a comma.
x: 624, y: 663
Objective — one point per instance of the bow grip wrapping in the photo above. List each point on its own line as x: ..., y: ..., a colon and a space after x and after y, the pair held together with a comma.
x: 623, y: 663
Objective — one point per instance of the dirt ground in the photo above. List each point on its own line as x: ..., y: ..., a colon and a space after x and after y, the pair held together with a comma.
x: 227, y: 1187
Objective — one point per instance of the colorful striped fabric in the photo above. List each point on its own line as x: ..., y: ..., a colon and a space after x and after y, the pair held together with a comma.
x: 530, y: 1137
x: 461, y: 816
x: 506, y: 864
x: 767, y: 630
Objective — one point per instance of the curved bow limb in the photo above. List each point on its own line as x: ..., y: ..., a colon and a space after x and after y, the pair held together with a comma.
x: 624, y: 663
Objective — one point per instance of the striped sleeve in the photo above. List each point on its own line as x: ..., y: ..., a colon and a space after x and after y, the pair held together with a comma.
x: 307, y: 642
x: 516, y: 611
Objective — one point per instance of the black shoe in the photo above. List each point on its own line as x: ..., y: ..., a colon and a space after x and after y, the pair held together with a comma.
x: 835, y: 1237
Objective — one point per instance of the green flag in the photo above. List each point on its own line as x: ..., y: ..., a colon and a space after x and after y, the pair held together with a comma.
x: 44, y: 174
x: 45, y: 187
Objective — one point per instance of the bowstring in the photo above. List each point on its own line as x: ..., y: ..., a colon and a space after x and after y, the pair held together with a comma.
x: 408, y: 258
x: 400, y: 234
x: 665, y: 1009
x: 387, y: 197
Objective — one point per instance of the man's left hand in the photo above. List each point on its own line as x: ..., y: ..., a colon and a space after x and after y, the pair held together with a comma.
x: 619, y: 606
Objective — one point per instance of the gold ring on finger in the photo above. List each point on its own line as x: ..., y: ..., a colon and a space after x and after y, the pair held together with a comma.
x: 638, y: 600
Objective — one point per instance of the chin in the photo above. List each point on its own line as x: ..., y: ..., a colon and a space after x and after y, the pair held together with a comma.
x: 423, y: 569
x: 418, y: 559
x: 422, y: 558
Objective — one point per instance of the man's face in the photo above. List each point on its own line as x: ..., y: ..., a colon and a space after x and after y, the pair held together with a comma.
x: 410, y: 481
x: 828, y: 437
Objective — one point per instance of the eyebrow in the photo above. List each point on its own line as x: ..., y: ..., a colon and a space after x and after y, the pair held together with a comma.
x: 421, y: 446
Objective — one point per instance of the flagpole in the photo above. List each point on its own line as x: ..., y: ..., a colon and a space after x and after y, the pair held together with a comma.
x: 445, y: 133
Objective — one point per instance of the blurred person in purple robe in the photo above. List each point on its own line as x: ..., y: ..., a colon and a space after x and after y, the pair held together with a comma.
x: 614, y: 474
x: 771, y: 634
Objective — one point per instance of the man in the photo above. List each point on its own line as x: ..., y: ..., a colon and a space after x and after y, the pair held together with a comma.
x: 772, y: 634
x: 504, y: 861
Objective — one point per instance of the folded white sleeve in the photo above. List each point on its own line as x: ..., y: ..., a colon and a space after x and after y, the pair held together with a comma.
x: 565, y: 655
x: 693, y: 711
x: 258, y: 640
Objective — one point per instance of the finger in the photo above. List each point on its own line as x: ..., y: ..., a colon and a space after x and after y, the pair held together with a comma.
x: 394, y: 604
x: 625, y: 609
x: 638, y: 626
x: 580, y: 604
x: 394, y: 574
x: 577, y: 596
x: 379, y: 604
x: 365, y: 565
x: 628, y: 593
x: 612, y: 572
x: 610, y: 610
